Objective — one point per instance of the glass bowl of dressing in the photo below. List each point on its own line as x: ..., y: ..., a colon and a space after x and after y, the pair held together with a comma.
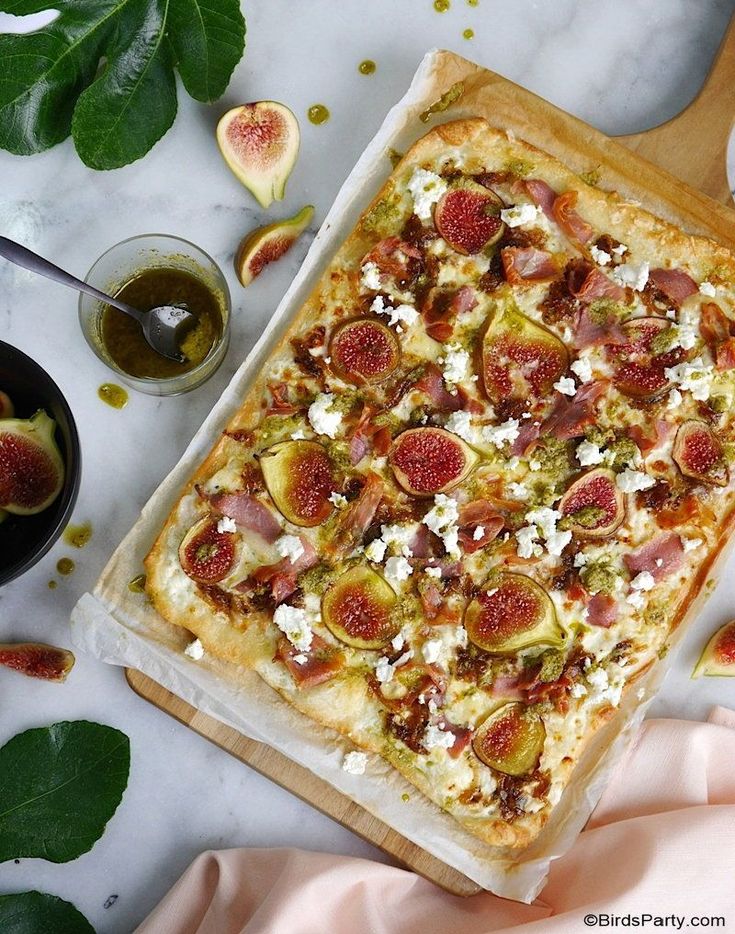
x: 151, y: 270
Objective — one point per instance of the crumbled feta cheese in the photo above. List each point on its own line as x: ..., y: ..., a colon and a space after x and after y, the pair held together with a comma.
x: 460, y: 423
x: 400, y: 314
x: 582, y: 368
x: 436, y: 738
x: 643, y: 581
x: 442, y: 519
x: 578, y: 690
x: 674, y: 399
x: 566, y: 386
x: 527, y: 539
x: 478, y: 533
x: 354, y: 763
x: 631, y: 481
x: 689, y: 544
x: 519, y: 214
x: 226, y: 524
x: 398, y: 568
x: 383, y: 670
x: 298, y: 435
x: 425, y: 188
x: 370, y: 279
x: 195, y: 650
x: 601, y: 257
x: 580, y: 559
x: 518, y: 490
x: 542, y: 522
x: 432, y: 650
x: 636, y: 599
x: 706, y: 288
x: 588, y: 454
x: 696, y: 376
x: 301, y: 659
x: 557, y: 542
x: 620, y: 249
x: 534, y: 465
x: 292, y: 622
x: 375, y: 551
x: 598, y: 679
x: 455, y: 363
x: 338, y: 500
x: 290, y: 546
x: 462, y: 637
x: 399, y: 538
x: 398, y: 641
x: 325, y: 419
x: 502, y: 434
x: 545, y: 518
x: 634, y: 275
x: 433, y: 572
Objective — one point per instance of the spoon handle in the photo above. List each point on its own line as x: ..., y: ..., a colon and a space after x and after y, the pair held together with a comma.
x: 27, y: 259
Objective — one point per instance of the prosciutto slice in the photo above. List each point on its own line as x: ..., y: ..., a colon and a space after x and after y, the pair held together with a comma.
x: 587, y: 283
x: 282, y: 575
x: 249, y: 513
x: 432, y: 383
x: 591, y: 333
x: 480, y: 513
x: 279, y: 404
x: 524, y: 264
x: 660, y: 557
x: 570, y: 416
x: 567, y: 218
x: 714, y: 325
x: 357, y: 517
x: 726, y: 354
x: 602, y: 610
x: 542, y: 195
x: 395, y: 257
x: 323, y: 661
x: 674, y: 283
x: 462, y: 736
x: 652, y: 434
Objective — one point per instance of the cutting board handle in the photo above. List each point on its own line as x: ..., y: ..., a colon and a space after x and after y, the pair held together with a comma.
x: 693, y: 145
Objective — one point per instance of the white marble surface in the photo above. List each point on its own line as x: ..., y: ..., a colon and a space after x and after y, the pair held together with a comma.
x: 622, y: 66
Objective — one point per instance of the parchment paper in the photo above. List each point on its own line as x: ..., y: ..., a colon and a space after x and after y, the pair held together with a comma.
x: 121, y: 628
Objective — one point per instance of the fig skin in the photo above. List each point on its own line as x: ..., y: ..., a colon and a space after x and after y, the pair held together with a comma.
x: 37, y: 660
x: 643, y: 378
x: 367, y: 599
x: 21, y: 492
x: 483, y: 206
x: 512, y: 340
x: 204, y: 532
x: 260, y: 143
x: 7, y: 410
x: 488, y: 617
x: 382, y: 360
x: 718, y: 656
x: 510, y: 740
x: 428, y: 442
x: 265, y: 245
x: 599, y: 476
x: 299, y: 477
x: 715, y: 472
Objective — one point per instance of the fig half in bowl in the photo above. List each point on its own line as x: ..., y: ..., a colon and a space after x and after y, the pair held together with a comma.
x: 24, y: 539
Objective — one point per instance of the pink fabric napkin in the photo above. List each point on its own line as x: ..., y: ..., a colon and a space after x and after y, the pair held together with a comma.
x: 660, y: 843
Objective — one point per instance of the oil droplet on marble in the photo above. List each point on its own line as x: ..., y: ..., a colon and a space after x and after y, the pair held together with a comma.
x: 65, y: 566
x: 441, y: 6
x: 113, y: 395
x: 78, y: 535
x: 468, y: 34
x: 367, y: 67
x: 318, y: 113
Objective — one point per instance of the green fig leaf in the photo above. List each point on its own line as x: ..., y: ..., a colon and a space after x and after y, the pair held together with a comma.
x: 103, y: 71
x: 59, y: 786
x: 31, y: 912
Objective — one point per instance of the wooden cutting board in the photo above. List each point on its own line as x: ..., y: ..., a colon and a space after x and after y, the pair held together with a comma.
x: 684, y: 162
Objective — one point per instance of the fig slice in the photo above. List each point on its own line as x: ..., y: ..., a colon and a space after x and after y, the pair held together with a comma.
x: 31, y: 468
x: 468, y: 217
x: 639, y: 369
x: 426, y: 461
x: 265, y: 245
x: 511, y: 739
x: 260, y: 142
x: 300, y: 479
x: 593, y: 506
x: 357, y: 609
x: 37, y: 660
x: 206, y: 555
x: 718, y: 657
x: 512, y: 612
x: 364, y: 351
x: 7, y: 409
x: 698, y: 454
x: 520, y: 358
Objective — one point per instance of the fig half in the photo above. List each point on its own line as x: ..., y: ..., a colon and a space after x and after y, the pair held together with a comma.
x: 520, y: 358
x: 205, y: 554
x: 426, y: 461
x: 37, y: 660
x: 698, y: 454
x: 718, y: 657
x: 364, y: 351
x: 512, y: 612
x: 31, y: 468
x: 468, y: 217
x: 265, y: 245
x: 357, y: 609
x: 300, y: 479
x: 6, y: 405
x: 260, y: 142
x: 511, y: 739
x: 639, y: 364
x: 593, y: 506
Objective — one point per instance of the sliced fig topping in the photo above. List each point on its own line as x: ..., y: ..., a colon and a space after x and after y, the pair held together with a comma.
x: 364, y: 351
x: 357, y: 609
x: 641, y: 361
x: 718, y: 657
x: 267, y: 244
x: 426, y: 461
x: 520, y: 358
x: 37, y: 660
x: 698, y: 454
x: 260, y: 142
x: 206, y: 555
x: 593, y: 505
x: 468, y: 217
x: 510, y: 613
x: 300, y: 479
x: 511, y: 739
x: 31, y: 468
x: 6, y: 406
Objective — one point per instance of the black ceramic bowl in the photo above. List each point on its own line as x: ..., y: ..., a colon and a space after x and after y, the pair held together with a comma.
x: 24, y: 540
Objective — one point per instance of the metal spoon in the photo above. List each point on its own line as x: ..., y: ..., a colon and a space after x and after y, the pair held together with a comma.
x: 162, y: 326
